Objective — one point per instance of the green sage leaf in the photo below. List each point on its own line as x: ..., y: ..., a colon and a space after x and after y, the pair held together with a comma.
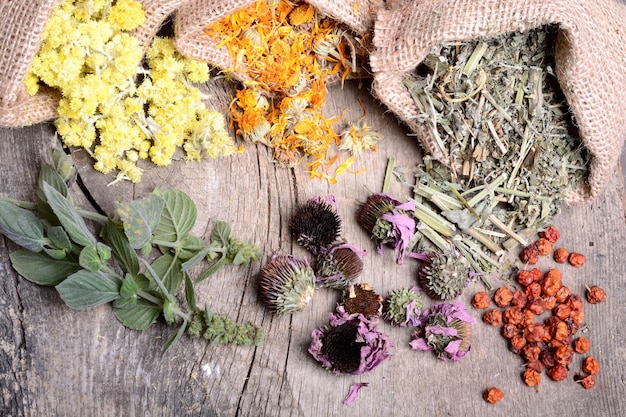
x: 139, y: 316
x: 196, y: 259
x: 21, y: 226
x: 93, y: 258
x: 179, y: 216
x: 85, y: 289
x: 59, y: 238
x: 190, y: 293
x: 129, y: 287
x: 169, y: 270
x: 64, y: 166
x: 40, y: 268
x: 141, y: 218
x: 221, y: 233
x: 215, y: 266
x: 49, y: 175
x: 67, y: 214
x: 123, y: 253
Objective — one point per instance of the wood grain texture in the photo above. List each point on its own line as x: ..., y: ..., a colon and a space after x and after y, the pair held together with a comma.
x: 58, y: 362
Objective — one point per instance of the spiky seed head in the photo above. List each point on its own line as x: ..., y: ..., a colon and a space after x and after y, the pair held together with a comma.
x: 370, y: 213
x: 362, y: 299
x: 316, y: 225
x: 444, y: 275
x: 402, y: 306
x: 338, y: 267
x: 286, y: 284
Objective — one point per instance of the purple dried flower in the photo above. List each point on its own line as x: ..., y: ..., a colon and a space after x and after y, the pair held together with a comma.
x: 387, y: 221
x: 403, y: 307
x: 446, y: 329
x: 339, y: 266
x: 350, y: 344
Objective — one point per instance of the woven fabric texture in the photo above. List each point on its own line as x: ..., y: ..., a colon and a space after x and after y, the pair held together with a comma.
x: 590, y: 62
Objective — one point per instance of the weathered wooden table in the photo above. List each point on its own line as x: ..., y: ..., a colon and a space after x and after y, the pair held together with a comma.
x: 58, y: 362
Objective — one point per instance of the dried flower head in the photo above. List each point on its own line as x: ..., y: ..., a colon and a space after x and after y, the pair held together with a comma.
x: 446, y: 329
x: 388, y: 222
x: 444, y: 275
x: 361, y: 299
x: 350, y: 344
x: 316, y: 225
x: 339, y: 266
x: 286, y: 284
x: 403, y: 307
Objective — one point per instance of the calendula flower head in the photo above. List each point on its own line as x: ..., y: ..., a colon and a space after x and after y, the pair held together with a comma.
x: 402, y: 307
x: 350, y: 344
x: 316, y: 225
x: 286, y: 284
x: 339, y: 266
x: 389, y: 222
x: 358, y: 137
x: 362, y: 299
x: 444, y: 275
x: 445, y: 329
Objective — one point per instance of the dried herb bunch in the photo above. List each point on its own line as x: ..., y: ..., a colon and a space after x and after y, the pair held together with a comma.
x: 511, y: 155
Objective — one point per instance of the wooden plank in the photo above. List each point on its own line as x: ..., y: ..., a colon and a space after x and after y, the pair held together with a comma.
x: 55, y: 361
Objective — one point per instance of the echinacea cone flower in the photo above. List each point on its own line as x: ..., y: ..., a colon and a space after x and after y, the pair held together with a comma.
x: 444, y: 275
x: 316, y: 225
x: 361, y: 299
x: 339, y: 266
x: 350, y: 344
x: 446, y: 329
x: 389, y: 222
x: 286, y: 284
x: 403, y: 307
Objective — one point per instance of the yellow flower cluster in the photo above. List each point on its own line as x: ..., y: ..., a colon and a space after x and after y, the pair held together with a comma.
x: 288, y: 49
x: 90, y: 58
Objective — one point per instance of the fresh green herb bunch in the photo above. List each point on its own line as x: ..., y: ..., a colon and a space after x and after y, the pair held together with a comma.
x: 59, y: 249
x: 403, y: 306
x: 444, y: 275
x: 286, y: 284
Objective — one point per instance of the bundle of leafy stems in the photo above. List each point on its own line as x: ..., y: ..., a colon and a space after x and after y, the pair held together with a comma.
x: 59, y: 249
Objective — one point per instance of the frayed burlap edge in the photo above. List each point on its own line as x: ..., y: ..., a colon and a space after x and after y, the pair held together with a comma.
x: 590, y: 63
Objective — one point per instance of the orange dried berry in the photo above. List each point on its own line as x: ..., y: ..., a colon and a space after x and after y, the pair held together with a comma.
x: 551, y: 234
x: 564, y: 355
x: 533, y: 290
x: 551, y: 282
x: 503, y: 297
x: 493, y: 395
x: 536, y: 306
x: 513, y: 315
x: 595, y: 294
x: 536, y: 332
x: 525, y: 278
x: 581, y: 345
x: 557, y: 373
x: 586, y: 382
x: 560, y: 255
x: 591, y: 366
x: 517, y: 343
x: 529, y: 255
x: 537, y: 274
x: 562, y: 311
x: 576, y: 259
x: 562, y: 294
x: 577, y: 316
x: 493, y: 317
x: 531, y: 377
x: 481, y: 300
x: 544, y: 246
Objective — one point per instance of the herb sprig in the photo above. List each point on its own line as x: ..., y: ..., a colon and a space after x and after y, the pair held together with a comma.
x: 138, y: 261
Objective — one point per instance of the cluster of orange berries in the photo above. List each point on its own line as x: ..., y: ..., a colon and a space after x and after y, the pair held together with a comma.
x: 550, y: 345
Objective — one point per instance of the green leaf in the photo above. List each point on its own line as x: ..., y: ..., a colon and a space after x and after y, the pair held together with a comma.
x: 64, y: 166
x: 139, y: 316
x: 196, y: 259
x: 223, y: 260
x: 93, y: 258
x: 179, y: 216
x: 123, y: 253
x: 49, y: 175
x: 174, y: 338
x: 41, y: 268
x: 85, y: 289
x: 190, y: 293
x: 169, y: 270
x: 141, y: 218
x: 129, y: 287
x: 21, y: 226
x: 55, y: 253
x: 73, y: 222
x: 59, y: 238
x: 221, y: 233
x: 190, y: 246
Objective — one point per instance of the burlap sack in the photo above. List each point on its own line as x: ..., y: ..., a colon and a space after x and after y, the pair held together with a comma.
x: 21, y: 26
x: 590, y: 62
x: 194, y: 16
